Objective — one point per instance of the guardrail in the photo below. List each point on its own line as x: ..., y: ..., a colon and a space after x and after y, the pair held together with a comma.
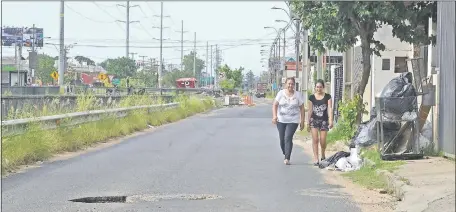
x: 18, y: 126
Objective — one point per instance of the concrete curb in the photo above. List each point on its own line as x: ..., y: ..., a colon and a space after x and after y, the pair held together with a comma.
x: 394, y: 184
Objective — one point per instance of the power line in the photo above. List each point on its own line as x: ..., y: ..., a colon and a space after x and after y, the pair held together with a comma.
x: 152, y: 47
x: 104, y: 22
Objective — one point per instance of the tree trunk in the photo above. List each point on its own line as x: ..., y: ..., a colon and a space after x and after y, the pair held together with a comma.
x: 366, y: 54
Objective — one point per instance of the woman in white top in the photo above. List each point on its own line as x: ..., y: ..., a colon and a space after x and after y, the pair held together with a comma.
x: 288, y: 113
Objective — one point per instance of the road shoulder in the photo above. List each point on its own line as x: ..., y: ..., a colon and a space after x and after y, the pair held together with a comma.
x: 365, y: 199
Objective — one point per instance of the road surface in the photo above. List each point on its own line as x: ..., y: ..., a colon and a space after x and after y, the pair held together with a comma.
x: 232, y: 155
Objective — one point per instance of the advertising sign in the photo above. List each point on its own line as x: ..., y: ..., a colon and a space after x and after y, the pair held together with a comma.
x: 26, y: 36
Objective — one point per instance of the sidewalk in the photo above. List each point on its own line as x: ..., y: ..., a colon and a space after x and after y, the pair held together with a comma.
x: 426, y: 185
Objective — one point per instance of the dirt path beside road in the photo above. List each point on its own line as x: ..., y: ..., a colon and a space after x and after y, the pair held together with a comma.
x: 367, y: 200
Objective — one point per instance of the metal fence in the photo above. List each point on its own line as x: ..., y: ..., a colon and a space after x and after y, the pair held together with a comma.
x: 446, y: 46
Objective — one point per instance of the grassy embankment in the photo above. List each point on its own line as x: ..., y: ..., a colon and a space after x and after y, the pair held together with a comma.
x: 37, y: 145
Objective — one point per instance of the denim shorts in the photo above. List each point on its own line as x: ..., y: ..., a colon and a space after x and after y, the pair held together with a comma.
x: 321, y: 125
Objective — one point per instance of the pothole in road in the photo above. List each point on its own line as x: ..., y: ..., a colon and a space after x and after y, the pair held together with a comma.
x: 144, y: 198
x: 107, y: 199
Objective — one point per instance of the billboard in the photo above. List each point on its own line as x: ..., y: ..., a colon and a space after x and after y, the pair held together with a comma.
x: 24, y: 36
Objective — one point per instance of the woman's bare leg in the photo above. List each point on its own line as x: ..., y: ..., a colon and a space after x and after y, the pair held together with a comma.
x: 315, y: 143
x: 323, y: 143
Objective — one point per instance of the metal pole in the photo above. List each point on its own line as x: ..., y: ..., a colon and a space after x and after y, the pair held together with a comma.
x: 305, y: 63
x: 297, y: 50
x: 127, y: 54
x: 160, y: 69
x: 216, y: 75
x: 16, y: 60
x: 32, y: 71
x: 212, y: 67
x: 194, y: 57
x: 207, y: 59
x: 182, y: 46
x: 278, y: 78
x: 283, y: 52
x: 62, y: 45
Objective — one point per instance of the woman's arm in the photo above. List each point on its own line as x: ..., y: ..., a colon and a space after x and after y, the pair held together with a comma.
x: 330, y: 112
x: 275, y: 105
x: 309, y: 111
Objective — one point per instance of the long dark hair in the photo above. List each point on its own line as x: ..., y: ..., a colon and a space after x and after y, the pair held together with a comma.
x: 320, y: 81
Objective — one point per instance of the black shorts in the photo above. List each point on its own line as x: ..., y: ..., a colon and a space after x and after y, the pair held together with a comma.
x: 321, y: 125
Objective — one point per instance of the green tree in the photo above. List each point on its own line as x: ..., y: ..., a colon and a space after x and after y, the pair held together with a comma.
x: 82, y: 59
x: 45, y: 68
x: 122, y: 67
x: 232, y: 78
x: 227, y: 85
x: 188, y: 65
x: 237, y: 76
x: 339, y: 25
x: 250, y: 78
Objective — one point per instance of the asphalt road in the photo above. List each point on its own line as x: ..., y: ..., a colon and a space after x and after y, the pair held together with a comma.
x: 232, y: 153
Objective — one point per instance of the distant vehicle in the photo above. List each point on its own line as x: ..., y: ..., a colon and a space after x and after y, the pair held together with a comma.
x: 261, y: 89
x: 186, y: 83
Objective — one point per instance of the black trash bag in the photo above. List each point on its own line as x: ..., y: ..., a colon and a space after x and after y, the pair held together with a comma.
x: 333, y: 159
x: 397, y: 96
x: 366, y: 134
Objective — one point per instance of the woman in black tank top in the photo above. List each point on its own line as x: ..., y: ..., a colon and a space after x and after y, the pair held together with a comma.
x: 320, y: 118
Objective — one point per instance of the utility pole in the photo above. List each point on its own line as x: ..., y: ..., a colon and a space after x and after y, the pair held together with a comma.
x: 182, y: 44
x: 143, y: 61
x: 305, y: 63
x: 194, y: 57
x: 160, y: 69
x: 133, y: 55
x: 207, y: 59
x: 278, y: 79
x: 62, y: 45
x: 297, y: 50
x: 212, y: 67
x: 216, y: 76
x: 283, y: 53
x: 127, y: 22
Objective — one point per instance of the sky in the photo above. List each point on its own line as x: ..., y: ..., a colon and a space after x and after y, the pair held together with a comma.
x: 237, y: 27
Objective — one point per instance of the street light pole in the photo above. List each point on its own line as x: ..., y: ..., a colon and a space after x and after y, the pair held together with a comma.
x: 62, y: 45
x: 160, y: 69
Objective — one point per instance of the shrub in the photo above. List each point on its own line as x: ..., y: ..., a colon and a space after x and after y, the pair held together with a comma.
x: 346, y: 125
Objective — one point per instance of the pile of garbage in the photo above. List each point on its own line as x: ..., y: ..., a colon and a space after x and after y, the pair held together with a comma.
x: 399, y: 104
x: 343, y: 161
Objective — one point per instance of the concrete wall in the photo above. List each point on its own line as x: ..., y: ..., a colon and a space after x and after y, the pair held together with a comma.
x: 446, y: 47
x: 379, y: 78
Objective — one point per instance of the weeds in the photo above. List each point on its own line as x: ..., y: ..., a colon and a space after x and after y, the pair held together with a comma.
x: 346, y: 125
x: 38, y: 145
x: 85, y: 102
x: 367, y: 176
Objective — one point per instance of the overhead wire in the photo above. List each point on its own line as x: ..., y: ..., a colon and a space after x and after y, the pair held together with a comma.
x: 91, y: 19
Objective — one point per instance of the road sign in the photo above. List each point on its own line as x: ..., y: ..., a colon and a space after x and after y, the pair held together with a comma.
x: 55, y: 75
x: 116, y: 81
x: 102, y: 76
